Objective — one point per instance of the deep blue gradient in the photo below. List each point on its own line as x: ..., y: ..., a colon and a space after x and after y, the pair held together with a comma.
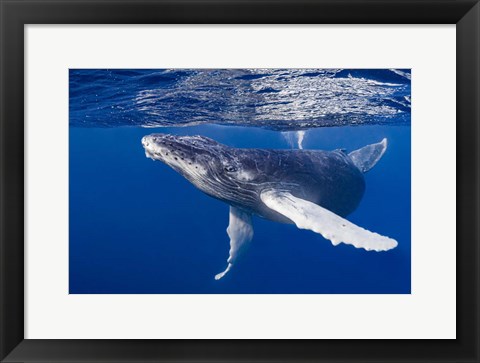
x: 136, y: 226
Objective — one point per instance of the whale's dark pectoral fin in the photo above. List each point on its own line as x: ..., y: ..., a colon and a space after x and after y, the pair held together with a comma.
x: 240, y: 231
x: 307, y: 215
x: 366, y: 157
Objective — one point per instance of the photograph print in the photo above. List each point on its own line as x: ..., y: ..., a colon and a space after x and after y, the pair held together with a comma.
x: 239, y: 181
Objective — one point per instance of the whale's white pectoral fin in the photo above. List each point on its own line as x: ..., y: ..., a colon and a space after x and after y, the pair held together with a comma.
x: 307, y: 215
x: 366, y: 157
x: 221, y: 274
x: 240, y: 231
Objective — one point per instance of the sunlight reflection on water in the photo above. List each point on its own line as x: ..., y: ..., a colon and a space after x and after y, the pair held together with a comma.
x: 278, y: 99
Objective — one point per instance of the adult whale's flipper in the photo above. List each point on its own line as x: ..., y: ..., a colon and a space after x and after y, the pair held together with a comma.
x: 366, y: 157
x: 307, y: 215
x: 240, y: 231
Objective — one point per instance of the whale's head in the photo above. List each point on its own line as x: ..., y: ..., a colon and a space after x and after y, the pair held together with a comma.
x: 214, y: 168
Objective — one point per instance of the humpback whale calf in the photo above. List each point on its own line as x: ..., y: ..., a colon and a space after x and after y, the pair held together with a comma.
x: 312, y: 189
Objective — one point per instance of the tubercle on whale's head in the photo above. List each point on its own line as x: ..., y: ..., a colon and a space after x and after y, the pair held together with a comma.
x: 212, y: 167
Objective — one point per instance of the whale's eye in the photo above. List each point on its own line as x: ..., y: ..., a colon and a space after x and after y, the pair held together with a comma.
x: 230, y: 168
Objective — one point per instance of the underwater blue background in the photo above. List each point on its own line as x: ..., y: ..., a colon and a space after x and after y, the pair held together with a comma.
x: 136, y: 226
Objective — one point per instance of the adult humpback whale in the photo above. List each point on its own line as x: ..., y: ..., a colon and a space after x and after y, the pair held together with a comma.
x: 313, y: 189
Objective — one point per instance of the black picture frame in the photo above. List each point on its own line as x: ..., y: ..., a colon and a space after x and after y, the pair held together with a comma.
x: 16, y: 13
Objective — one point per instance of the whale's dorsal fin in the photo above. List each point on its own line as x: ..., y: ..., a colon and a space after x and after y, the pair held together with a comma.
x: 366, y: 157
x: 307, y: 215
x: 240, y: 231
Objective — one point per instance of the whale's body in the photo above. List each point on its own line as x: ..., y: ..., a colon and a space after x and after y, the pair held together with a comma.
x: 329, y: 179
x: 313, y: 189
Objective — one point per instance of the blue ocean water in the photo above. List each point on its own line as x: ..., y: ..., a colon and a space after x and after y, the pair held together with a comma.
x: 137, y: 226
